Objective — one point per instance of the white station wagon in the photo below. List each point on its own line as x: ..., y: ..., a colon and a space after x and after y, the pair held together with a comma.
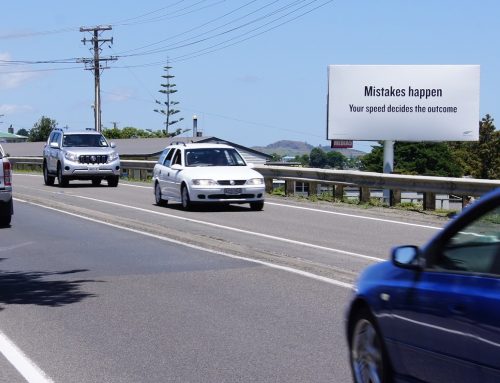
x: 206, y: 173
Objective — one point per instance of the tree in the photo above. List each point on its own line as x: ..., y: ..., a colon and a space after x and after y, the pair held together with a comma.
x: 169, y: 105
x: 23, y: 132
x: 336, y: 160
x: 480, y: 159
x: 41, y: 129
x: 432, y: 159
x: 317, y: 158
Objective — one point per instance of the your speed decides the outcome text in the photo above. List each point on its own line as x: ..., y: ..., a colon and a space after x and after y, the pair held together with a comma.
x: 417, y: 93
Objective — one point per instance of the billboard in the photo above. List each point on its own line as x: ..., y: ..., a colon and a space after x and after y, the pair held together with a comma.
x: 403, y: 102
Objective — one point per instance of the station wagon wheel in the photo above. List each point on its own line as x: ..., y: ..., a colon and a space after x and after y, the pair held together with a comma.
x: 256, y: 206
x: 186, y: 202
x: 47, y: 178
x: 158, y: 197
x: 369, y: 361
x: 96, y: 181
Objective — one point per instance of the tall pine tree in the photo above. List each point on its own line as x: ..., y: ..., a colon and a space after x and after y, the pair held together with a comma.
x: 168, y: 88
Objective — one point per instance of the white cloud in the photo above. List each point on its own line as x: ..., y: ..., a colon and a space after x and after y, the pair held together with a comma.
x: 14, y: 109
x: 119, y: 95
x: 13, y: 76
x: 249, y: 78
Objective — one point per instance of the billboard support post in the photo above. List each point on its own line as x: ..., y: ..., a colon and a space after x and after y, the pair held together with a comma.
x: 388, y: 166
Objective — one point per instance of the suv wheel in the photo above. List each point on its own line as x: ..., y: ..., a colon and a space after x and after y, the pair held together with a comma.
x: 62, y: 180
x: 113, y: 181
x: 47, y: 179
x: 96, y: 181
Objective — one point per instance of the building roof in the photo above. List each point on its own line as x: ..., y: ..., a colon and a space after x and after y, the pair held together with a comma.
x: 133, y: 147
x: 6, y: 137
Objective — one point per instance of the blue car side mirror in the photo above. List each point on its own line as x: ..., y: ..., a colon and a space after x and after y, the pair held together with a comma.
x: 406, y: 257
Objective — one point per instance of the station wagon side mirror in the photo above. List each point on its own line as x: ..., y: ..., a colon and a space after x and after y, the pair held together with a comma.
x: 112, y: 144
x: 54, y: 145
x: 406, y: 257
x: 176, y: 167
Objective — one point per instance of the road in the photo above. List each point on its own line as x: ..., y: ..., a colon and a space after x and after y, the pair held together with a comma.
x: 100, y: 285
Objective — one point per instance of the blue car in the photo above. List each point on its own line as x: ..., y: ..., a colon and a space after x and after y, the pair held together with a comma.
x: 432, y: 314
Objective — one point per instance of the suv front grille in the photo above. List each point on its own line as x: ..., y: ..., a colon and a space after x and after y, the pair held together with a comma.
x: 93, y: 159
x: 228, y: 182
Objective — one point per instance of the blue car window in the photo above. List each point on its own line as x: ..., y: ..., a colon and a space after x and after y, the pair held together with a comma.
x: 476, y: 248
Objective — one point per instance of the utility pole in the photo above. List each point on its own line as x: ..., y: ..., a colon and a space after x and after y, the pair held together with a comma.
x: 94, y: 64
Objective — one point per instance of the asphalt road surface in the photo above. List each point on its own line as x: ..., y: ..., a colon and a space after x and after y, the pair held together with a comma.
x: 98, y: 284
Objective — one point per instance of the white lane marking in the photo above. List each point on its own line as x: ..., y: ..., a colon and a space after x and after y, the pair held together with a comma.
x: 355, y: 216
x: 280, y: 239
x: 33, y: 374
x: 313, y: 209
x: 316, y: 210
x: 29, y: 370
x: 271, y: 265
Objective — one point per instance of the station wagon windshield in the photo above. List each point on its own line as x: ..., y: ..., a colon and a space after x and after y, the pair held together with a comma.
x: 213, y: 157
x: 84, y: 140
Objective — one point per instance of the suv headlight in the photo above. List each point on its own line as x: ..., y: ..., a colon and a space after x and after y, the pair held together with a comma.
x: 71, y: 156
x: 255, y: 181
x: 113, y: 156
x: 204, y: 182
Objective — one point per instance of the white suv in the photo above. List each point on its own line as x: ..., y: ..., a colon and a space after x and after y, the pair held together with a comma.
x: 206, y: 173
x: 6, y: 205
x: 83, y: 155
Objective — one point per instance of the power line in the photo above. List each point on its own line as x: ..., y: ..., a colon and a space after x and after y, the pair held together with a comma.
x: 177, y: 46
x: 220, y: 46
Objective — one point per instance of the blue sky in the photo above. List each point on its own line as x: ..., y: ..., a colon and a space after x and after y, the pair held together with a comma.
x: 254, y: 72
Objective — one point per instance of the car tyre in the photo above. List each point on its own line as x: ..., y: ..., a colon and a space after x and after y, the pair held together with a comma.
x: 47, y: 178
x: 257, y: 206
x: 185, y: 200
x: 368, y: 356
x: 6, y: 211
x: 158, y: 197
x: 96, y: 181
x: 62, y: 180
x: 113, y: 181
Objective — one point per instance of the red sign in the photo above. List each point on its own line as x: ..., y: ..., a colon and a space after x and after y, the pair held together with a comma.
x: 341, y: 144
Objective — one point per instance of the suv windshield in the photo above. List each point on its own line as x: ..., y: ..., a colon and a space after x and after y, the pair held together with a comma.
x: 213, y: 157
x: 84, y: 140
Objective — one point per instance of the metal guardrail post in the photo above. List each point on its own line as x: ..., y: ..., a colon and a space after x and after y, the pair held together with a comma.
x: 364, y: 194
x: 395, y: 197
x: 313, y: 188
x: 429, y: 201
x: 339, y: 192
x: 289, y: 187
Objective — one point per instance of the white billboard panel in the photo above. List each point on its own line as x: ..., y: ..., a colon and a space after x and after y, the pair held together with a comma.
x: 403, y: 102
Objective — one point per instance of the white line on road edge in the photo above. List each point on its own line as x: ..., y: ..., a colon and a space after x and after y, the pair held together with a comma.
x: 29, y: 370
x: 268, y: 264
x: 330, y: 249
x: 328, y: 212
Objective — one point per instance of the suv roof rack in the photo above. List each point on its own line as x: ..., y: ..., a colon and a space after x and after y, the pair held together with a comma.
x: 178, y: 143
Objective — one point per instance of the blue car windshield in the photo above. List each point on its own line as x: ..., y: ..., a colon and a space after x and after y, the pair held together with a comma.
x: 213, y: 157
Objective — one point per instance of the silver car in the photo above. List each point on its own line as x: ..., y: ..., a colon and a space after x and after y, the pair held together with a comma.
x: 83, y: 155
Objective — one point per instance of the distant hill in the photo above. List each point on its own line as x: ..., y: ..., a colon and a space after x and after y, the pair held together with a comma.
x: 298, y: 148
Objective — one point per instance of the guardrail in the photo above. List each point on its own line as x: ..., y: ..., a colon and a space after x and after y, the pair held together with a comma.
x: 340, y: 179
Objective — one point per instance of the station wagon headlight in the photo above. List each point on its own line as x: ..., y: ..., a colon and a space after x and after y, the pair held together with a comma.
x: 255, y: 181
x: 202, y: 182
x: 71, y: 156
x: 113, y: 156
